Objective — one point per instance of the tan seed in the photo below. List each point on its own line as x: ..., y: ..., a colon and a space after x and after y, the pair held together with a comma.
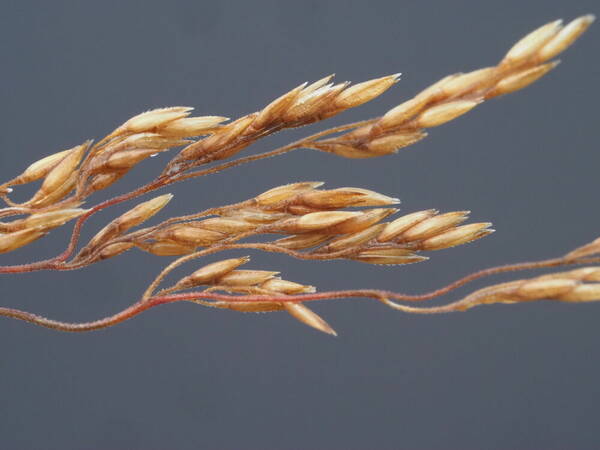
x: 191, y: 126
x: 153, y: 119
x: 302, y: 241
x: 344, y: 197
x: 308, y: 317
x: 246, y: 277
x: 521, y: 79
x: 457, y: 236
x: 354, y: 240
x: 565, y: 37
x: 18, y: 239
x: 285, y: 192
x: 583, y: 293
x: 538, y: 289
x: 434, y: 225
x: 533, y: 42
x: 212, y: 272
x: 438, y: 115
x: 40, y: 168
x: 401, y: 224
x: 361, y: 221
x: 364, y: 92
x: 391, y: 144
x: 287, y: 287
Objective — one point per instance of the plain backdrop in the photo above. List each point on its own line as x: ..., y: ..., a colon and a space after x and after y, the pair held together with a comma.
x: 187, y: 377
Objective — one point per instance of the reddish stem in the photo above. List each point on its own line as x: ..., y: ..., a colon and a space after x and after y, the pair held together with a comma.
x: 378, y: 294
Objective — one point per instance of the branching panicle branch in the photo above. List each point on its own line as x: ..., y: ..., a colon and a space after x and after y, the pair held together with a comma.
x: 301, y: 220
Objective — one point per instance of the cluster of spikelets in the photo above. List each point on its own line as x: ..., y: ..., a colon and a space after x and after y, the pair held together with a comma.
x: 310, y: 218
x: 315, y: 223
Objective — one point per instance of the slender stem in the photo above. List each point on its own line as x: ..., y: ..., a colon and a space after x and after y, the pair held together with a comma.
x: 381, y: 295
x: 276, y: 152
x: 127, y: 313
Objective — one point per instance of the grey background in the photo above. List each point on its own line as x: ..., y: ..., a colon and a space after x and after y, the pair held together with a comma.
x: 183, y: 377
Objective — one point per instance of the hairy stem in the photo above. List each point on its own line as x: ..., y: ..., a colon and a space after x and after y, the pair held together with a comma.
x: 387, y: 297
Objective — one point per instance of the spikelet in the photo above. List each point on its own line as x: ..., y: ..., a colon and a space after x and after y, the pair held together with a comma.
x: 165, y: 248
x: 389, y: 256
x: 41, y: 200
x: 302, y: 241
x: 532, y: 43
x: 434, y: 225
x: 151, y: 121
x: 364, y: 92
x: 188, y: 234
x: 130, y: 219
x: 457, y: 236
x: 445, y: 112
x: 18, y: 239
x: 59, y: 175
x: 114, y: 249
x: 315, y: 221
x: 47, y: 220
x: 241, y: 278
x: 400, y: 225
x: 353, y: 240
x: 455, y: 95
x: 279, y: 286
x: 578, y: 285
x: 343, y: 198
x: 521, y: 79
x: 191, y: 126
x: 42, y: 167
x: 211, y: 273
x: 286, y: 192
x: 308, y: 317
x: 565, y: 37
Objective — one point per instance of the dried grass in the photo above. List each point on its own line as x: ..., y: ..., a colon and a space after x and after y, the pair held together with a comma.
x: 302, y: 220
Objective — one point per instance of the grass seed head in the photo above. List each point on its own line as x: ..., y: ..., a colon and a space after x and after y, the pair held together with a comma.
x: 565, y: 37
x: 532, y: 43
